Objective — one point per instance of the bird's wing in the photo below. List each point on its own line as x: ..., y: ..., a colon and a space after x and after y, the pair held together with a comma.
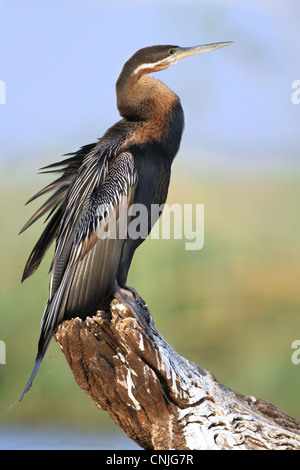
x: 89, y: 245
x: 56, y: 204
x: 92, y: 234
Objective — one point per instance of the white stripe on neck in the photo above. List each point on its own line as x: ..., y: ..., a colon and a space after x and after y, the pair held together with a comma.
x: 168, y: 61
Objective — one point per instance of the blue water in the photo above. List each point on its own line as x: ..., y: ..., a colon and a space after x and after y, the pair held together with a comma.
x: 56, y: 439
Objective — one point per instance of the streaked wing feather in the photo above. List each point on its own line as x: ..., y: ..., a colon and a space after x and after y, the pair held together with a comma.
x: 87, y: 233
x: 84, y: 267
x: 56, y: 204
x: 42, y: 245
x: 62, y: 181
x: 72, y: 162
x: 54, y: 200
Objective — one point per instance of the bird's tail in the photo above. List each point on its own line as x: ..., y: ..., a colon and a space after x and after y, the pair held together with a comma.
x: 45, y: 338
x: 42, y: 348
x: 53, y: 315
x: 37, y: 364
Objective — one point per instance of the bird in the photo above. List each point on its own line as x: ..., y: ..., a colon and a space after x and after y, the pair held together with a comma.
x: 130, y: 164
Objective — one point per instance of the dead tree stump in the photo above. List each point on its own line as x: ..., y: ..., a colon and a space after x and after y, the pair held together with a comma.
x: 161, y: 400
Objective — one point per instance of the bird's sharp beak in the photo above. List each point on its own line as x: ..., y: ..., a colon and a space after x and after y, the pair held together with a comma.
x: 186, y: 51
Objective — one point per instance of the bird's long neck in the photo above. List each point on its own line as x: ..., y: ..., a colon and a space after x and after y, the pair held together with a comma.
x: 143, y: 98
x: 153, y: 106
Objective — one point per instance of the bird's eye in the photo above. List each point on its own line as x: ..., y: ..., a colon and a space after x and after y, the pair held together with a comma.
x: 172, y: 51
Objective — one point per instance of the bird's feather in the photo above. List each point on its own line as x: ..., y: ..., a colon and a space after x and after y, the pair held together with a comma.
x: 87, y: 255
x: 56, y: 204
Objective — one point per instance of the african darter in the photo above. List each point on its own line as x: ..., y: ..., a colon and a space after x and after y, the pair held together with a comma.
x: 130, y: 164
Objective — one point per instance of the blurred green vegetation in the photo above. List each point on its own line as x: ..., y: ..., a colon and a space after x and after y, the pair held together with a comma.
x: 232, y: 307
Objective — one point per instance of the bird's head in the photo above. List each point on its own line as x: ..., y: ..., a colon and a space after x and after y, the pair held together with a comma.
x: 134, y: 95
x: 156, y: 58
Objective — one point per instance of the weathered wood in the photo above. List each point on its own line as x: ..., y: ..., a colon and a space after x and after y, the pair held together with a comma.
x: 160, y: 399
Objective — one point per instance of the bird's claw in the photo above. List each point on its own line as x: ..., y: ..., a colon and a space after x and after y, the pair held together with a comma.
x: 139, y: 300
x: 130, y: 294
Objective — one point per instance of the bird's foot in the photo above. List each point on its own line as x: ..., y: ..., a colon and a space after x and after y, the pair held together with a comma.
x: 128, y: 295
x: 136, y: 296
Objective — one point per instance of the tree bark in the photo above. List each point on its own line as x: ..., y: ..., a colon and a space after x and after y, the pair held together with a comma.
x: 160, y: 399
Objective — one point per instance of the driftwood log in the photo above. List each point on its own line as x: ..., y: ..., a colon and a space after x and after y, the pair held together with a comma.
x: 161, y: 400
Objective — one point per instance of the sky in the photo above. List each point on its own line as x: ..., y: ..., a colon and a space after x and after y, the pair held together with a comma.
x: 59, y: 61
